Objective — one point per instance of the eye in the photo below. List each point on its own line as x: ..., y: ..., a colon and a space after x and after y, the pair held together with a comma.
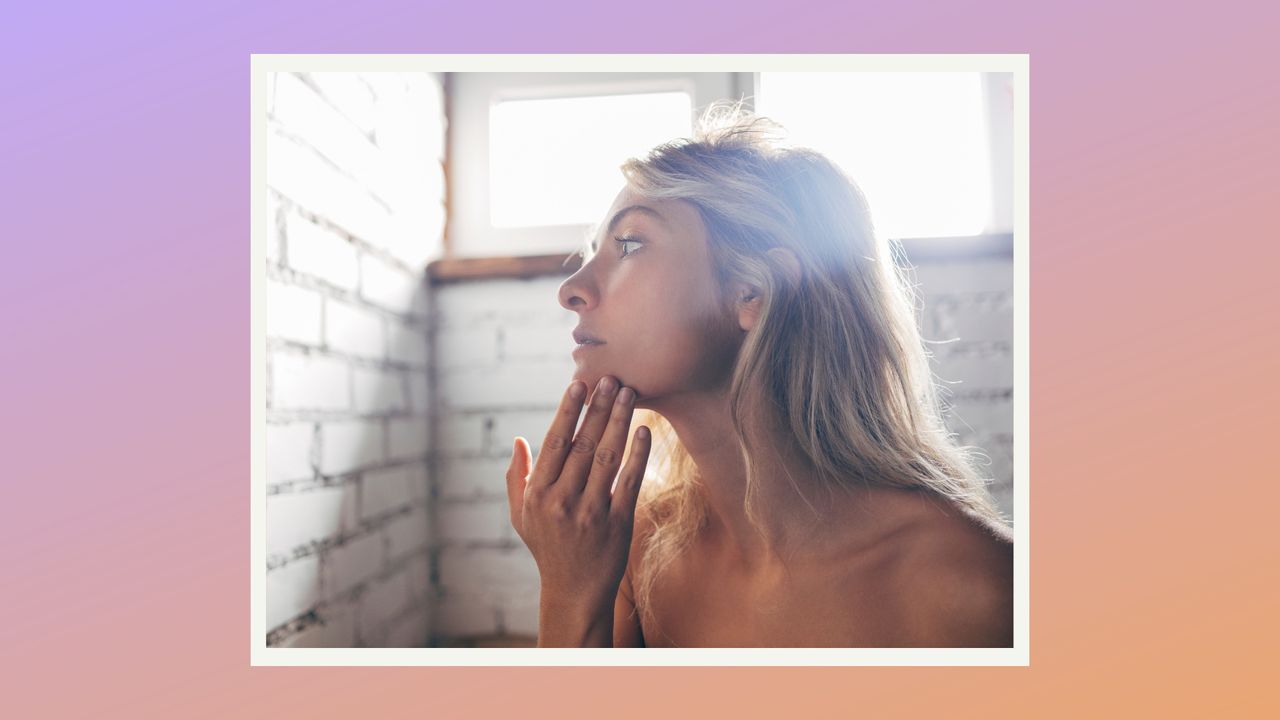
x: 624, y: 241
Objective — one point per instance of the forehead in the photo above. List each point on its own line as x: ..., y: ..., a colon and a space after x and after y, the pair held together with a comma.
x: 677, y: 219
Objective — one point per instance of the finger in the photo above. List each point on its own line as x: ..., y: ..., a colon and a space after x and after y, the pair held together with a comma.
x: 555, y: 446
x: 623, y: 505
x: 582, y: 452
x: 517, y: 473
x: 608, y: 457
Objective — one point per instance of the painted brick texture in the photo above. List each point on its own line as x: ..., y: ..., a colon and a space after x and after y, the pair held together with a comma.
x: 356, y: 193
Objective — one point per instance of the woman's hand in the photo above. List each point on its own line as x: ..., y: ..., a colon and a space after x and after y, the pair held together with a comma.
x: 577, y: 529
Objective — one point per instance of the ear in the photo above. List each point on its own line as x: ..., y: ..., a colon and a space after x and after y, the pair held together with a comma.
x: 786, y: 267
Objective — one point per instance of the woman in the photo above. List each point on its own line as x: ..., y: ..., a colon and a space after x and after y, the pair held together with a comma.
x: 806, y: 492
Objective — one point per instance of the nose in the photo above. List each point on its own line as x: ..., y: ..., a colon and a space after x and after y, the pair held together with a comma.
x: 576, y: 293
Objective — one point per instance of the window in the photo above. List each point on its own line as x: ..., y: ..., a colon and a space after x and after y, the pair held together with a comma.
x: 555, y: 161
x: 919, y: 144
x: 538, y: 154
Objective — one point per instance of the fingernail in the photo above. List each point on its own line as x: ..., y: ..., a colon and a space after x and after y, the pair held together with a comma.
x: 606, y: 384
x: 626, y: 395
x: 643, y: 433
x: 577, y: 389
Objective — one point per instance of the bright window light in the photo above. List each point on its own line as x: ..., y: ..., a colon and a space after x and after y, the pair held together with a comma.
x: 916, y: 143
x: 555, y: 161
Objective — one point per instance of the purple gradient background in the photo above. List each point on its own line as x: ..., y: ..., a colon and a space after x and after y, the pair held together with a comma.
x: 125, y: 541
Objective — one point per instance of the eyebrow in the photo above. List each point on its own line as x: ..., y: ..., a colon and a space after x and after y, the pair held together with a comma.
x: 617, y: 218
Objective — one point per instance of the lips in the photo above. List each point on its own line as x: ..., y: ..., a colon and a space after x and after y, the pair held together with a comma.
x: 584, y: 338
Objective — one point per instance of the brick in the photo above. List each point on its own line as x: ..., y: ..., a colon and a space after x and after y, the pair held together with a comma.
x: 538, y: 384
x: 419, y: 578
x: 353, y: 330
x: 410, y: 629
x: 393, y: 288
x: 385, y: 83
x: 293, y: 313
x: 271, y: 92
x: 408, y: 534
x: 375, y: 390
x: 461, y: 305
x: 473, y: 478
x: 407, y: 344
x: 383, y: 490
x: 408, y: 438
x: 317, y: 123
x: 974, y: 374
x: 419, y: 482
x: 301, y: 174
x: 292, y: 590
x: 336, y: 629
x: 350, y: 94
x: 419, y: 232
x: 348, y: 445
x: 487, y: 520
x: 419, y: 393
x: 410, y: 123
x: 352, y: 564
x: 467, y: 347
x: 299, y: 518
x: 489, y: 573
x: 462, y: 616
x: 272, y: 231
x: 537, y: 342
x: 288, y: 448
x: 965, y: 276
x: 382, y: 601
x: 320, y: 252
x: 532, y: 425
x: 463, y: 433
x: 973, y: 317
x: 311, y: 382
x: 981, y: 417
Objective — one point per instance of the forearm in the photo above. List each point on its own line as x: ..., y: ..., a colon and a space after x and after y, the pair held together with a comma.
x: 564, y: 623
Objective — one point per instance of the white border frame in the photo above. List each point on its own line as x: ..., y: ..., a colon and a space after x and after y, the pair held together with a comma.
x: 260, y: 654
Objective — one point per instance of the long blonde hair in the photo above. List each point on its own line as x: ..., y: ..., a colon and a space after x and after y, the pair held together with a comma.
x: 836, y: 353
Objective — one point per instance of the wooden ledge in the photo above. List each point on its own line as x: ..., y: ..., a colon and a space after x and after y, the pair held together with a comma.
x: 492, y: 268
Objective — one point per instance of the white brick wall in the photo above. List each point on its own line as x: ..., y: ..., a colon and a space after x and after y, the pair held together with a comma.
x: 355, y: 199
x: 968, y: 307
x: 353, y: 330
x: 501, y: 360
x: 297, y: 519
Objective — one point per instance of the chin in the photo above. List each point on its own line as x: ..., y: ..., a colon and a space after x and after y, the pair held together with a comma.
x: 592, y: 376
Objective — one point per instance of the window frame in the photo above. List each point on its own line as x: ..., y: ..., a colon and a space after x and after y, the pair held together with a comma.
x: 469, y: 233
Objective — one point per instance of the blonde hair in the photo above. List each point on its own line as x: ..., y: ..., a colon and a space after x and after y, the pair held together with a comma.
x: 836, y: 353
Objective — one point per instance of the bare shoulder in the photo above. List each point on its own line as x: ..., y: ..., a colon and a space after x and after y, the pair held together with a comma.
x: 954, y: 578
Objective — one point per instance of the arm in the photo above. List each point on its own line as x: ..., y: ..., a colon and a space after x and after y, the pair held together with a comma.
x: 562, y: 624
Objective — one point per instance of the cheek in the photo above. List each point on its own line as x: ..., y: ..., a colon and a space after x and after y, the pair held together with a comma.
x: 676, y: 348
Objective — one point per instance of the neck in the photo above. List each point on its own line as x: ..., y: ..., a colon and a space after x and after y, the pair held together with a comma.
x: 786, y: 518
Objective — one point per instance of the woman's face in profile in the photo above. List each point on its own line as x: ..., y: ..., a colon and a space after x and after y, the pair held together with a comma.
x: 649, y: 296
